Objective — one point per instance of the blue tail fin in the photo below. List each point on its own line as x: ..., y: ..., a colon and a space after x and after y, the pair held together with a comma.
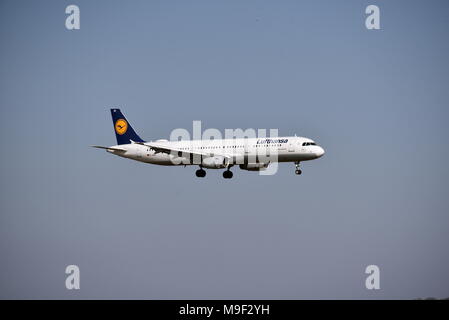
x: 123, y: 130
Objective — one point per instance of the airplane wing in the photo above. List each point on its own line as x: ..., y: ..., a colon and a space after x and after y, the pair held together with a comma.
x: 109, y: 148
x: 164, y: 149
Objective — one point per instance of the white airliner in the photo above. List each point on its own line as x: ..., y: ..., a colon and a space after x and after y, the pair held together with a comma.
x: 251, y: 154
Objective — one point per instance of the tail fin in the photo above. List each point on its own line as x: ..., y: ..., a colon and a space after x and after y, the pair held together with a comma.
x: 123, y: 130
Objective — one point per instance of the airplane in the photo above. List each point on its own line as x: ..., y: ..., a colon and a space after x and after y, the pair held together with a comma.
x: 252, y: 154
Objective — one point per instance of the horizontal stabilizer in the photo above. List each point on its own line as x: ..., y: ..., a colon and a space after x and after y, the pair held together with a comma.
x: 109, y: 148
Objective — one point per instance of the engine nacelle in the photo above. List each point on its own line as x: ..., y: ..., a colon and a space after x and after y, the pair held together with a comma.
x: 254, y: 166
x: 215, y: 162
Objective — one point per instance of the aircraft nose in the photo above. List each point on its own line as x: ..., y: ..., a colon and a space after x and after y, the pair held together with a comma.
x: 320, y: 152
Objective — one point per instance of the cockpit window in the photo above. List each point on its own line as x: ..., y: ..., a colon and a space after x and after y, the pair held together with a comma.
x: 309, y: 144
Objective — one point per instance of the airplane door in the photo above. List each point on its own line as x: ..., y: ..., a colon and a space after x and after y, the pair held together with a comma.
x: 291, y: 146
x: 245, y: 150
x: 246, y: 147
x: 140, y: 151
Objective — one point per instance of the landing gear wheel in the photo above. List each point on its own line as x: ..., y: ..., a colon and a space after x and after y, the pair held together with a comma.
x: 200, y: 173
x: 227, y: 174
x: 298, y: 170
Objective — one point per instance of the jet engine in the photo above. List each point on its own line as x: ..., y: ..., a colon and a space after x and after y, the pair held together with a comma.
x: 254, y: 166
x: 215, y: 162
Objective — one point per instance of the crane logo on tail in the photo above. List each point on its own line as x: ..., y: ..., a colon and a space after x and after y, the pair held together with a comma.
x: 121, y: 126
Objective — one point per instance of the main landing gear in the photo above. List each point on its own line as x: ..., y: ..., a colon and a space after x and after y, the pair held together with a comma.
x: 227, y: 174
x: 200, y: 173
x: 298, y: 170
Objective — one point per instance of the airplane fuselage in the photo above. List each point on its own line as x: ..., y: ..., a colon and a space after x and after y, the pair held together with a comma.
x: 284, y: 149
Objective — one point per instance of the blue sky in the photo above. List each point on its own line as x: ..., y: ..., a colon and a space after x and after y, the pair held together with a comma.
x: 375, y: 100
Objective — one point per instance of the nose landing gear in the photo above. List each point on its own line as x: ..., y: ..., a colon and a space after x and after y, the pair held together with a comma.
x: 298, y: 170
